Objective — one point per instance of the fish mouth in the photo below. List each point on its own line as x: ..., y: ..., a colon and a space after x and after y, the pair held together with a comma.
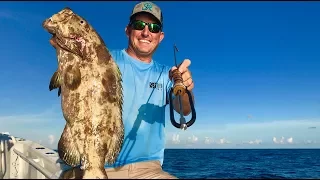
x: 48, y: 25
x: 57, y: 40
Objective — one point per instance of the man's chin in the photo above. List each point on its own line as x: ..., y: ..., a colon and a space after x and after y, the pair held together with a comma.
x: 144, y: 52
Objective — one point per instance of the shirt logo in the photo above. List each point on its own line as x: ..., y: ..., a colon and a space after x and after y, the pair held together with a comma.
x: 155, y: 85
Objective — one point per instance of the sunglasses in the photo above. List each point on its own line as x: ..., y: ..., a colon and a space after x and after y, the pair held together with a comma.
x: 140, y: 25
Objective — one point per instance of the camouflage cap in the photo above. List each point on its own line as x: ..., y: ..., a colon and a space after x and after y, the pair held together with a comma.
x: 149, y: 7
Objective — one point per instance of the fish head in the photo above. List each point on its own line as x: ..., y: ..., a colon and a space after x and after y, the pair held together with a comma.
x: 70, y: 31
x: 55, y: 23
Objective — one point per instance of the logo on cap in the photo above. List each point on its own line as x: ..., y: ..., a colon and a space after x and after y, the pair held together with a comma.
x: 147, y: 6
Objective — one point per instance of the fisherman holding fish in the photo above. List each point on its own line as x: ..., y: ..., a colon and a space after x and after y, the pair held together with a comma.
x: 146, y: 85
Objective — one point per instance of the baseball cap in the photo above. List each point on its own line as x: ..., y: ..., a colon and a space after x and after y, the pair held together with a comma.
x: 149, y: 7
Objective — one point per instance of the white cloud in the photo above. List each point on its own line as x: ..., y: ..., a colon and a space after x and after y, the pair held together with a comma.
x: 274, y: 139
x: 192, y: 139
x: 175, y: 139
x: 51, y: 139
x: 208, y: 140
x: 282, y: 140
x: 223, y: 141
x: 310, y: 142
x: 254, y: 132
x: 248, y: 135
x: 257, y: 141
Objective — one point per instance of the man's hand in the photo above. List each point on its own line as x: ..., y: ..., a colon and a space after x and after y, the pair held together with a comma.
x: 188, y: 82
x: 185, y: 73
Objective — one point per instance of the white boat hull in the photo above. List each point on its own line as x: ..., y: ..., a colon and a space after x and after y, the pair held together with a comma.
x: 25, y: 159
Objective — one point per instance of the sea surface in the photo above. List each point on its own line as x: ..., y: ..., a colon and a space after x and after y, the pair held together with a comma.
x: 243, y: 163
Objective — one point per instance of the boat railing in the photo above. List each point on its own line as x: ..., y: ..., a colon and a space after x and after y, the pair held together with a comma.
x: 24, y: 159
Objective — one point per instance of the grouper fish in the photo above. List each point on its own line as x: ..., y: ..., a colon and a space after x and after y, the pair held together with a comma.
x: 90, y: 86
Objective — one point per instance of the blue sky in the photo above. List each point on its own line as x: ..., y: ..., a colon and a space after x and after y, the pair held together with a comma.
x: 255, y: 67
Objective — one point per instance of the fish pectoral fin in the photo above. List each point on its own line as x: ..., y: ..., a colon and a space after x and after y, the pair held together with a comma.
x: 67, y: 148
x: 55, y: 82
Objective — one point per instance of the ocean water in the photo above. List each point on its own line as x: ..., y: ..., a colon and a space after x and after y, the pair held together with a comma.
x: 243, y: 163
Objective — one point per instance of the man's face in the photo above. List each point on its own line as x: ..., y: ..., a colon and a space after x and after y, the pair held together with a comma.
x: 144, y: 42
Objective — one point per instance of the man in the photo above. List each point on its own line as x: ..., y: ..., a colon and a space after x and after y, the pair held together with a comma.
x: 146, y: 85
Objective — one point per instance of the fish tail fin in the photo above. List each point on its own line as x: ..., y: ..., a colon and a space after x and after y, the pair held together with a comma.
x: 72, y: 173
x: 95, y: 173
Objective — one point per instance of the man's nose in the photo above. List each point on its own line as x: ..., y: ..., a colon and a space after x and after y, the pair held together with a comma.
x: 145, y: 31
